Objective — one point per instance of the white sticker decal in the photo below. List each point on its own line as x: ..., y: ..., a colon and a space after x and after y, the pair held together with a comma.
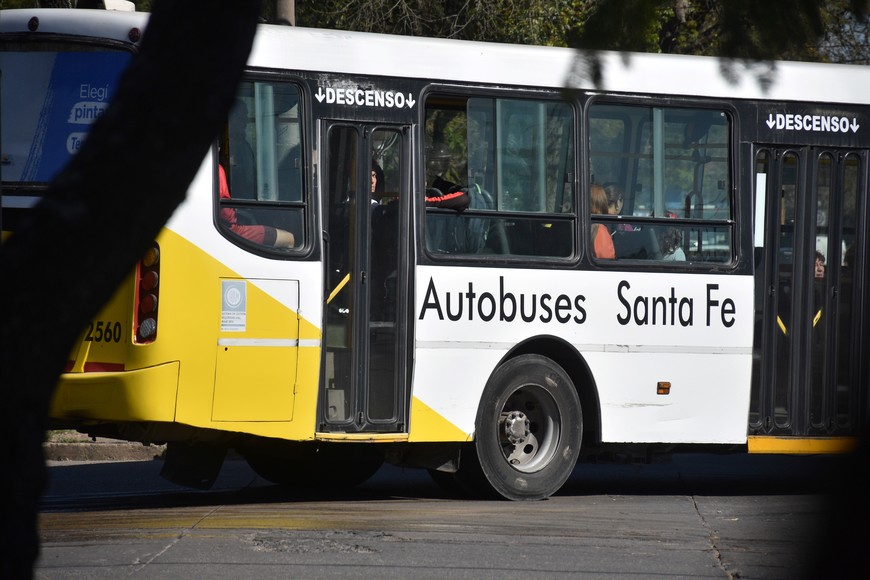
x: 234, y: 305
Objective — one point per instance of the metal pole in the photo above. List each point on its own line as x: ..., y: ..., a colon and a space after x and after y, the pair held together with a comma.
x: 285, y: 12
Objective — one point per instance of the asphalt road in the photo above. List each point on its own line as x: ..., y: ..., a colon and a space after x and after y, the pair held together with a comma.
x: 698, y: 516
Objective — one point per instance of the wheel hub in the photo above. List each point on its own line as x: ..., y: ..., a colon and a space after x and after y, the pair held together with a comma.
x: 516, y: 427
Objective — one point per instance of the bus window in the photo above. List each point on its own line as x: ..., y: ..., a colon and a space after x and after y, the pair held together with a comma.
x: 261, y: 158
x: 515, y: 157
x: 664, y: 163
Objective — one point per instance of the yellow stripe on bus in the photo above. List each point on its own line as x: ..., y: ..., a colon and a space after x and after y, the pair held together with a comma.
x: 429, y: 425
x: 801, y: 445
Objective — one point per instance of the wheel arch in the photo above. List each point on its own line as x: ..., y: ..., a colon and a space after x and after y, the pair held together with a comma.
x: 573, y: 362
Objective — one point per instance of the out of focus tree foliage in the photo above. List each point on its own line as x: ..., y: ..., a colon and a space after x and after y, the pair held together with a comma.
x: 816, y: 30
x: 813, y: 30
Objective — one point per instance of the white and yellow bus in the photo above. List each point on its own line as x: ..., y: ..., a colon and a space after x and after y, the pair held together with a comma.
x: 320, y: 313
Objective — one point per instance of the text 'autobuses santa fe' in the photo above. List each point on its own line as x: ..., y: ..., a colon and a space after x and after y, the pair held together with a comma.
x: 672, y: 257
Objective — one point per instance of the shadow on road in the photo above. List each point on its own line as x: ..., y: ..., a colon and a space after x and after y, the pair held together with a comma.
x: 135, y: 485
x: 708, y: 474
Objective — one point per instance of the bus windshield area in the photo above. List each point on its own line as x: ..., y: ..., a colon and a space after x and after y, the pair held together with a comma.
x: 50, y: 95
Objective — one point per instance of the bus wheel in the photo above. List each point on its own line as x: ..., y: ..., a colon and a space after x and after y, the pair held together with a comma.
x: 528, y: 430
x: 314, y: 467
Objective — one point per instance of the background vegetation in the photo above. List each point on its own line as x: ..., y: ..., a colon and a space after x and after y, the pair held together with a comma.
x: 812, y: 30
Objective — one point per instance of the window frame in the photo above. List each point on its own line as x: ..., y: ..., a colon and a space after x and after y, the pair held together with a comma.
x: 731, y: 223
x: 572, y: 168
x: 304, y: 206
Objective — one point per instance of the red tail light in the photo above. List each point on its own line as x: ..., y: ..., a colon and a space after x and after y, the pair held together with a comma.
x: 147, y: 294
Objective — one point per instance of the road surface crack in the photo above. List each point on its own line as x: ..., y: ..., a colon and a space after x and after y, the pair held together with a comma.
x: 713, y: 538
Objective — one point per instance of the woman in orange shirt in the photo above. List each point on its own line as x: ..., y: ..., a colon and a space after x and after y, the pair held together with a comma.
x: 602, y: 243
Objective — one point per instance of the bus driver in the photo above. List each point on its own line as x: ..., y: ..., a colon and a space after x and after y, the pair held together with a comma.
x: 259, y: 234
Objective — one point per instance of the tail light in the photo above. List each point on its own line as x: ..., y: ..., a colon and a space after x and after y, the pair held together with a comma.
x: 147, y: 295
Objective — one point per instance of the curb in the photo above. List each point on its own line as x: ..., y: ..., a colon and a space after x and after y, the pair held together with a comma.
x: 107, y: 450
x: 72, y: 446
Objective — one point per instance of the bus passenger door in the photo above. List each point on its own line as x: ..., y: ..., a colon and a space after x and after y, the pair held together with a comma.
x: 366, y: 179
x: 809, y: 309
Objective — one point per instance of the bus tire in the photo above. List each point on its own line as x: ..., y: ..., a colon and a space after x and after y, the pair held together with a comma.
x: 528, y: 430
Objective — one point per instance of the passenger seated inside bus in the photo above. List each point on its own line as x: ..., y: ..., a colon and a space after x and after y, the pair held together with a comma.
x: 670, y: 245
x: 448, y: 195
x: 615, y: 203
x: 602, y: 243
x: 378, y: 196
x: 259, y: 234
x: 457, y: 232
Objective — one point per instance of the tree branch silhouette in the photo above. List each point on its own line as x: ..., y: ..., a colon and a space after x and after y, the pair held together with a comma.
x: 95, y: 222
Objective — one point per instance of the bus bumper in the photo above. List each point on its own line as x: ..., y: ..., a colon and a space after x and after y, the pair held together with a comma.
x: 147, y: 394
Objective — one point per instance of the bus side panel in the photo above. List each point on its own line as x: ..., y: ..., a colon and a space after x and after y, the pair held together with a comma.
x: 448, y: 383
x: 271, y: 387
x: 634, y: 330
x: 254, y: 330
x: 707, y: 403
x: 708, y: 400
x: 257, y: 349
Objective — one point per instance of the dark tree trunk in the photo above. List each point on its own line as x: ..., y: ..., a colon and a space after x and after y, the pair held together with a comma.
x: 97, y: 220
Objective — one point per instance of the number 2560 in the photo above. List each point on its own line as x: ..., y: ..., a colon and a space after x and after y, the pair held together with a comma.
x: 103, y: 331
